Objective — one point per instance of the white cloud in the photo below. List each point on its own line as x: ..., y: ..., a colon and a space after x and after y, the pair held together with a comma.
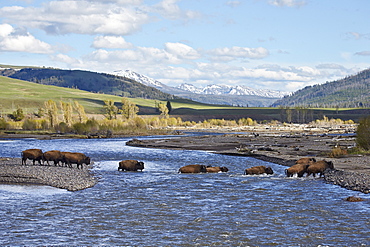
x: 113, y: 42
x: 181, y: 51
x: 10, y: 40
x: 287, y: 3
x: 169, y: 9
x: 233, y: 4
x: 363, y: 53
x: 82, y: 17
x: 229, y: 54
x: 65, y: 59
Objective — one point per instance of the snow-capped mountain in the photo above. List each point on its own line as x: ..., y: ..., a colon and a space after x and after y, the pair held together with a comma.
x: 139, y: 78
x: 211, y: 94
x: 232, y: 90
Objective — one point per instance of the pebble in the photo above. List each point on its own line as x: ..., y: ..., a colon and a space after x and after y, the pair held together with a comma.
x: 350, y: 180
x: 71, y: 179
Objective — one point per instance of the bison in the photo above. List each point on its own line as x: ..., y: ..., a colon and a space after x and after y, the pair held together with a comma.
x: 75, y: 158
x: 319, y: 167
x: 53, y: 155
x: 298, y: 169
x: 306, y: 161
x: 257, y: 170
x: 32, y: 154
x: 130, y: 165
x: 193, y: 169
x: 217, y: 169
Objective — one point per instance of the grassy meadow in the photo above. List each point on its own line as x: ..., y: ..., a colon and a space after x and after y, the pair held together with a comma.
x: 31, y: 96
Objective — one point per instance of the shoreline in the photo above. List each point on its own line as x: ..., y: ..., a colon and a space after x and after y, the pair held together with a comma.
x: 71, y: 179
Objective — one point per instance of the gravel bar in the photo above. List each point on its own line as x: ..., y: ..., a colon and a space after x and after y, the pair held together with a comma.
x: 71, y: 179
x: 350, y: 180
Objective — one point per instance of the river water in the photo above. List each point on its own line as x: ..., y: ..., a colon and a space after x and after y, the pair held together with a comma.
x: 159, y: 207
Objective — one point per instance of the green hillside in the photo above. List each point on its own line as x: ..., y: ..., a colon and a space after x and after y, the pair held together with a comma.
x: 88, y: 81
x: 350, y: 92
x: 30, y: 96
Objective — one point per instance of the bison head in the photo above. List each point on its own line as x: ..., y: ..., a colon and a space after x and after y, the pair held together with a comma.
x: 224, y: 169
x: 139, y: 165
x: 269, y: 170
x: 203, y: 168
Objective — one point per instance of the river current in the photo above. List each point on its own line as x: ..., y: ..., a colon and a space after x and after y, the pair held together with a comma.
x: 160, y: 207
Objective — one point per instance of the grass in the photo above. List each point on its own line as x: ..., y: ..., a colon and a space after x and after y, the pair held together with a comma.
x: 31, y: 96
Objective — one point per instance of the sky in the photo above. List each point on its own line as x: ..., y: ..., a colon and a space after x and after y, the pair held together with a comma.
x: 280, y: 45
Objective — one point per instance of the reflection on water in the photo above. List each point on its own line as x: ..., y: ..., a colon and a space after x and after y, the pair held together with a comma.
x: 30, y: 189
x: 160, y: 207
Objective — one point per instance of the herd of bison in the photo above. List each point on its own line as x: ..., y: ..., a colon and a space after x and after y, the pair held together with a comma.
x: 302, y: 166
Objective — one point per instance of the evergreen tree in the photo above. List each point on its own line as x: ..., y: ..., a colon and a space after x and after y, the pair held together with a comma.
x: 363, y: 134
x: 169, y: 107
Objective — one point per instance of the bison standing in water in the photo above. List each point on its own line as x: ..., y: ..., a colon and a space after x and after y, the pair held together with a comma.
x: 75, y: 158
x: 300, y: 167
x: 32, y: 154
x: 193, y: 169
x: 258, y: 170
x: 130, y: 165
x: 53, y: 155
x: 319, y: 167
x: 217, y: 169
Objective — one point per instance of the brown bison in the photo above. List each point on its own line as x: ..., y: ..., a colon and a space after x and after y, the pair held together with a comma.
x: 298, y: 169
x: 75, y: 158
x: 193, y: 169
x: 257, y: 170
x: 32, y: 154
x: 306, y: 161
x: 130, y: 165
x: 319, y: 167
x: 217, y: 169
x: 53, y: 155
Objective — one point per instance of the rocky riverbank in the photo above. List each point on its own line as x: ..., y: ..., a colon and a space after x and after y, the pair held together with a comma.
x: 351, y: 171
x: 71, y: 179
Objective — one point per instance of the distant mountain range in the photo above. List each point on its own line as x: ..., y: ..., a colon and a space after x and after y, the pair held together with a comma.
x: 211, y: 94
x: 350, y: 92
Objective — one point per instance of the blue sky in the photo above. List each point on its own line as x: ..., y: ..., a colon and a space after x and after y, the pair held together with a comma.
x: 264, y: 44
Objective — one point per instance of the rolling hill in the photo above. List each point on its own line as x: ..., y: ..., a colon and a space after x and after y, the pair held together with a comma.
x: 349, y: 92
x: 88, y: 81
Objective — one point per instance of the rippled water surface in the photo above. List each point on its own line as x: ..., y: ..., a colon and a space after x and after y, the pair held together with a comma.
x: 159, y: 207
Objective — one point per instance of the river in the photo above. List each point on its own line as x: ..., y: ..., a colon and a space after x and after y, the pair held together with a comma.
x: 160, y: 207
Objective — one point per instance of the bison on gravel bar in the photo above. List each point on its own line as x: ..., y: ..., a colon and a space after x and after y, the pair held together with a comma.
x: 258, y: 170
x: 130, y: 165
x: 193, y: 169
x: 32, y: 154
x: 75, y: 158
x: 54, y: 155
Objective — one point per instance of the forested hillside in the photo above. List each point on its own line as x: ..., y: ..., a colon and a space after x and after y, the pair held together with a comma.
x: 88, y: 81
x: 352, y: 91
